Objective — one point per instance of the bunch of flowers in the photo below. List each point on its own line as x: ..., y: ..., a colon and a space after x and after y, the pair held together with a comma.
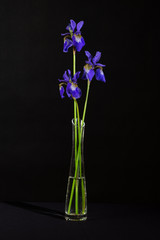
x: 68, y: 85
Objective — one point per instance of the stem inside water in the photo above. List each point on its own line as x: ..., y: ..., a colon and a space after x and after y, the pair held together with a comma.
x: 80, y: 159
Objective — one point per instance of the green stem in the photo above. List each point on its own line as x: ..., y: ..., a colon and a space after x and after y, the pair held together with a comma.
x: 80, y: 160
x: 79, y: 137
x: 75, y: 129
x: 85, y: 105
x: 83, y: 118
x: 74, y: 71
x: 79, y: 148
x: 74, y: 61
x: 75, y: 136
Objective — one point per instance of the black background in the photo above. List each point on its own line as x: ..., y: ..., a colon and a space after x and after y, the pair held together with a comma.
x: 35, y: 124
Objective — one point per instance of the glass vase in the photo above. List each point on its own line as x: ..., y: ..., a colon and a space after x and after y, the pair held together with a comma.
x: 76, y: 195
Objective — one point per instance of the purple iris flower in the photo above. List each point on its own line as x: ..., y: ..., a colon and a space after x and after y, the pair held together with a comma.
x: 73, y: 37
x: 72, y: 89
x: 92, y: 67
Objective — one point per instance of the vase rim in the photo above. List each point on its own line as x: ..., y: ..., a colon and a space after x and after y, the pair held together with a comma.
x: 76, y: 121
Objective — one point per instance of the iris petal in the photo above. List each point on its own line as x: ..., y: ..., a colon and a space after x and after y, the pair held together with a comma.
x: 79, y: 25
x: 88, y: 55
x: 69, y: 74
x: 67, y: 44
x: 89, y: 71
x: 78, y: 42
x: 96, y: 57
x: 73, y: 91
x: 68, y: 90
x: 90, y: 63
x: 73, y: 24
x: 64, y: 34
x: 76, y: 76
x: 68, y: 27
x: 100, y: 75
x: 60, y: 80
x: 65, y: 77
x: 100, y: 65
x: 84, y: 77
x: 61, y: 90
x: 90, y: 74
x: 77, y: 93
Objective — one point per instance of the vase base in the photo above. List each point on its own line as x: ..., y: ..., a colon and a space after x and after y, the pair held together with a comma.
x: 76, y: 218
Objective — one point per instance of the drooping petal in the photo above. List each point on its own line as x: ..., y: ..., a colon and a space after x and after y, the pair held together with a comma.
x: 96, y: 57
x: 78, y: 42
x: 68, y: 90
x: 83, y: 42
x: 73, y: 91
x: 100, y: 75
x: 79, y: 25
x: 89, y: 72
x: 73, y: 25
x: 67, y: 44
x: 76, y: 76
x: 77, y: 93
x: 61, y: 90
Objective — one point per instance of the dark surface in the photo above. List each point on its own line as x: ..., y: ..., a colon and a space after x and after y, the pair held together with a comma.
x: 45, y: 221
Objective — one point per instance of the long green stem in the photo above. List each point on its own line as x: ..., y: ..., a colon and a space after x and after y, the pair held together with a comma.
x: 83, y: 118
x: 74, y: 71
x: 75, y: 118
x: 79, y: 150
x: 74, y: 61
x: 75, y: 180
x: 79, y: 136
x: 85, y: 105
x: 80, y: 159
x: 75, y: 129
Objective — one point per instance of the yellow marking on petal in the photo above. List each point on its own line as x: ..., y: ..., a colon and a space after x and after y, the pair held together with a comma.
x: 74, y: 84
x: 98, y: 67
x: 87, y: 67
x: 78, y: 37
x: 66, y: 37
x: 63, y: 83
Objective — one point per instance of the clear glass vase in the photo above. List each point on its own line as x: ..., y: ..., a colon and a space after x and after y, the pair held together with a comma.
x: 76, y: 195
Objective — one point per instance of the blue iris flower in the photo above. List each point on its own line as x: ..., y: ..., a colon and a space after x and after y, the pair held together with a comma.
x: 72, y: 89
x: 73, y: 37
x: 93, y: 68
